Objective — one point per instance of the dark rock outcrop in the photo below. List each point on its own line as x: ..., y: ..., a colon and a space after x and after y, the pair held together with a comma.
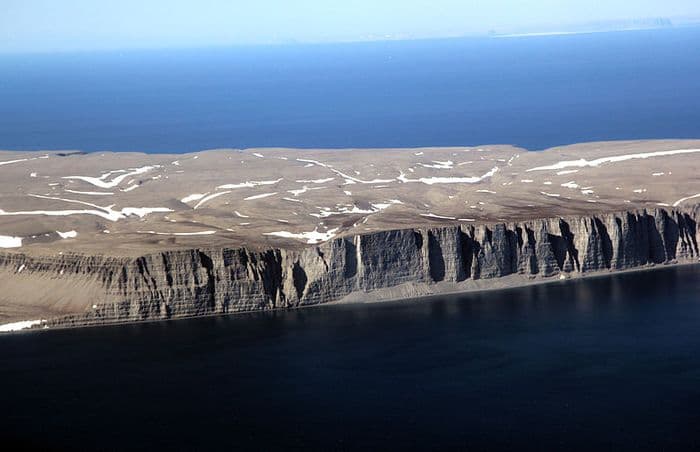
x: 199, y: 282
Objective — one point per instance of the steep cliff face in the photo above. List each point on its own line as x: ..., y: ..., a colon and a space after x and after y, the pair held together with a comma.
x: 207, y: 281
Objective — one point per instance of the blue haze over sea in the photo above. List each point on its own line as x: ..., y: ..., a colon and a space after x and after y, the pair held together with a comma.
x: 534, y: 92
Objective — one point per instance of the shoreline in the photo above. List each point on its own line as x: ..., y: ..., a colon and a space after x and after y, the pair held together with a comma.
x: 196, y: 235
x: 508, y: 285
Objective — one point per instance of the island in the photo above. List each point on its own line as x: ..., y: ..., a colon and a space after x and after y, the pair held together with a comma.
x: 101, y: 238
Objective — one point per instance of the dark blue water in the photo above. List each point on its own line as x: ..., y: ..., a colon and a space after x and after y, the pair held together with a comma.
x: 609, y: 363
x: 534, y: 92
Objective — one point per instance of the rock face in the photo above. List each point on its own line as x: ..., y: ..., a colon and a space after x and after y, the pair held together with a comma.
x: 370, y: 266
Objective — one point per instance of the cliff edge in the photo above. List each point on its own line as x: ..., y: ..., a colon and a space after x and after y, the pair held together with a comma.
x: 85, y: 242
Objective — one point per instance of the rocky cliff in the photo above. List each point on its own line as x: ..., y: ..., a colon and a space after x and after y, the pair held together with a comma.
x: 89, y: 290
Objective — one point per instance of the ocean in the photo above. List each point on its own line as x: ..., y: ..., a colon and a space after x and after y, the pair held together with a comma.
x: 533, y: 92
x: 606, y: 363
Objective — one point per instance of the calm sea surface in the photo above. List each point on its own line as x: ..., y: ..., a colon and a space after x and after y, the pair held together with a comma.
x: 607, y: 363
x: 533, y: 92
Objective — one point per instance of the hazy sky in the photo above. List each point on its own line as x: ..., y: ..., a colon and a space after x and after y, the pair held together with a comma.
x: 50, y: 25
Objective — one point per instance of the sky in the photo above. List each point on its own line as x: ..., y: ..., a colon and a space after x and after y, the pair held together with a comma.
x: 67, y: 25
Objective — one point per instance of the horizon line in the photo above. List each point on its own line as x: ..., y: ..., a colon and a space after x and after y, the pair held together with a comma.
x: 385, y: 38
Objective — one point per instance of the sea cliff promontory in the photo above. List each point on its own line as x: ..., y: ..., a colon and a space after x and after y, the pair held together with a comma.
x: 100, y: 238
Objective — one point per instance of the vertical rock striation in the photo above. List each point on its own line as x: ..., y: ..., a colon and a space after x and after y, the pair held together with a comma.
x: 185, y: 283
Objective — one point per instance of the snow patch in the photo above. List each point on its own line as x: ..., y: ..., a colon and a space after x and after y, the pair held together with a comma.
x: 378, y: 207
x: 102, y: 181
x: 304, y: 189
x: 449, y: 180
x: 16, y: 326
x: 249, y: 184
x: 312, y: 237
x: 582, y: 163
x: 448, y: 164
x: 315, y: 181
x: 7, y: 241
x: 67, y: 235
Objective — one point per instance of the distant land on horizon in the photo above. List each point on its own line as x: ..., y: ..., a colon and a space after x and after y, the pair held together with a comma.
x: 543, y: 29
x: 601, y: 26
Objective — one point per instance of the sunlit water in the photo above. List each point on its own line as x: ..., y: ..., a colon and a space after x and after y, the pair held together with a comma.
x: 534, y: 92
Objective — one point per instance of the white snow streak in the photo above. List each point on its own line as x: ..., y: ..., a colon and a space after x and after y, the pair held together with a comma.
x: 348, y: 179
x: 209, y: 198
x: 67, y: 235
x: 582, y: 163
x: 108, y: 213
x: 178, y: 233
x: 264, y: 195
x: 315, y: 181
x: 449, y: 164
x: 193, y: 197
x: 682, y: 200
x: 91, y: 193
x: 441, y: 217
x: 304, y: 189
x: 249, y: 184
x: 378, y: 207
x: 9, y: 162
x: 449, y: 180
x: 103, y: 183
